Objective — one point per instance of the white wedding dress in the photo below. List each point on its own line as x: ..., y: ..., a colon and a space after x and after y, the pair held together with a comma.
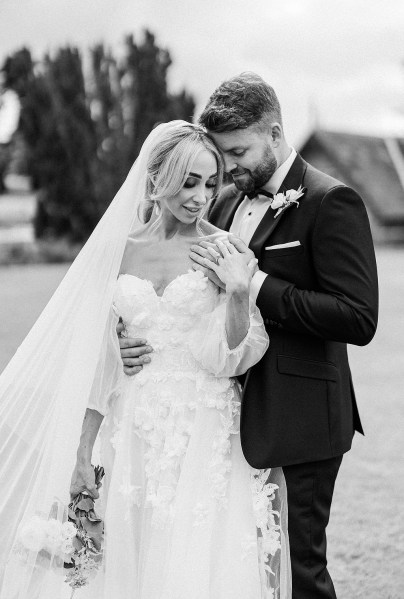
x: 185, y: 516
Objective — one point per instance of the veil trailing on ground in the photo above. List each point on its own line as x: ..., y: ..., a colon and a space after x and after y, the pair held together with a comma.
x: 46, y: 387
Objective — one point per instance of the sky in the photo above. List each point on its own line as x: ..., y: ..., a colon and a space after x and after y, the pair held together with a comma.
x: 335, y: 63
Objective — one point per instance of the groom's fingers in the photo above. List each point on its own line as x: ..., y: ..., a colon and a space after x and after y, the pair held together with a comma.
x: 131, y: 362
x: 133, y: 342
x: 132, y: 370
x: 134, y: 354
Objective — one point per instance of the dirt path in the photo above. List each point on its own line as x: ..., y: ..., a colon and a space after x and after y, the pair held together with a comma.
x: 366, y: 532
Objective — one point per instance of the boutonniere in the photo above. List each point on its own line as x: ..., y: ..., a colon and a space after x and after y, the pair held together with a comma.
x: 282, y: 201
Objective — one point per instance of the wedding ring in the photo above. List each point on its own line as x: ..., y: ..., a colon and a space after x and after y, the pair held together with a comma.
x: 215, y: 255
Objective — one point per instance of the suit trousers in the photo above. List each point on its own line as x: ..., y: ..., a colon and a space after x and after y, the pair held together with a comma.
x: 310, y: 489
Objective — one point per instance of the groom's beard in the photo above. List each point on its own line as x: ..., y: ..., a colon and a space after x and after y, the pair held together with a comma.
x: 247, y: 181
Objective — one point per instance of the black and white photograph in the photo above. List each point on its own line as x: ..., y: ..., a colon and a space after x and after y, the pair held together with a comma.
x: 201, y: 299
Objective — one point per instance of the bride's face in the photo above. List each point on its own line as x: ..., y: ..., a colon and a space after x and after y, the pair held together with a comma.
x: 187, y: 205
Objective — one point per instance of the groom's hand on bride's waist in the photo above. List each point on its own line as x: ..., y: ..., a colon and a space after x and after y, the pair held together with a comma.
x: 135, y: 352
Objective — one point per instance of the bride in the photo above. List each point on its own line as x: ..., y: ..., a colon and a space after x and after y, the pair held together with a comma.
x: 184, y: 515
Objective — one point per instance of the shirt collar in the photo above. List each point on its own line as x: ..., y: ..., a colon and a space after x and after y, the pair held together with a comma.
x: 274, y: 183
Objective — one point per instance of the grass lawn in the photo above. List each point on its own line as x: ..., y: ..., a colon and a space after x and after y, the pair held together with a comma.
x: 366, y: 532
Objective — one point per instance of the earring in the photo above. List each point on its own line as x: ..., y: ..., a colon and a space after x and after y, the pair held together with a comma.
x: 157, y: 208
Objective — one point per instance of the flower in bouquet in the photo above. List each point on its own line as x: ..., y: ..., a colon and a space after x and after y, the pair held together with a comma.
x: 87, y: 542
x: 47, y: 537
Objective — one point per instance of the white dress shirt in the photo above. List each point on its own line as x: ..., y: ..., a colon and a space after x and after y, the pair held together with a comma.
x: 250, y: 213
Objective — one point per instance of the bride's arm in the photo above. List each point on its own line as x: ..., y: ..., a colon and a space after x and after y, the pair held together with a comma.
x: 105, y: 387
x: 232, y: 268
x: 237, y: 315
x: 232, y: 338
x: 83, y: 478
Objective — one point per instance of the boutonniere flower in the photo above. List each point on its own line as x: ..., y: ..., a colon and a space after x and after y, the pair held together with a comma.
x: 282, y: 201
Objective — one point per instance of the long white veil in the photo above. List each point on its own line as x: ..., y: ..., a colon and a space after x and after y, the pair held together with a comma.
x: 44, y: 390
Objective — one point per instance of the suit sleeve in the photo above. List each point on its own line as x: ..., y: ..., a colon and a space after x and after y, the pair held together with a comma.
x: 344, y: 305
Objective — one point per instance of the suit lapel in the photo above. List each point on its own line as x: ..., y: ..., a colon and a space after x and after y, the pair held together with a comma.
x: 236, y: 203
x: 222, y: 215
x: 268, y: 224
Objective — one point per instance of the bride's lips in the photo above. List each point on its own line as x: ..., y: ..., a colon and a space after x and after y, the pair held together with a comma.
x: 192, y: 209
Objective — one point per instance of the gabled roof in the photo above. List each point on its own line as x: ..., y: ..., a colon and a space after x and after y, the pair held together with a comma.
x: 374, y: 166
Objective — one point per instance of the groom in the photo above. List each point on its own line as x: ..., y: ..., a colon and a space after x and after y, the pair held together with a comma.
x: 316, y: 288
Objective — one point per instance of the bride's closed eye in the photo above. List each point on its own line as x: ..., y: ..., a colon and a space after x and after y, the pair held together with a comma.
x: 190, y: 183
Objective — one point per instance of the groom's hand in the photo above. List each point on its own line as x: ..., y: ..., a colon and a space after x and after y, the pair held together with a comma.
x: 242, y: 248
x: 134, y: 352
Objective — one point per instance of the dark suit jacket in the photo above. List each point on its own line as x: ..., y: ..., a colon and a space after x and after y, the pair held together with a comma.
x: 298, y: 401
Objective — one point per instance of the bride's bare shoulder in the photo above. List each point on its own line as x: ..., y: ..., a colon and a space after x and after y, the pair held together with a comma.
x: 136, y: 250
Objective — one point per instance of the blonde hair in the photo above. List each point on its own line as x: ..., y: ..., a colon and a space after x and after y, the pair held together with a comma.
x: 170, y: 163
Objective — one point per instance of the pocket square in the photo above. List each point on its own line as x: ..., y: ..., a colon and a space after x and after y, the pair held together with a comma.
x: 290, y: 244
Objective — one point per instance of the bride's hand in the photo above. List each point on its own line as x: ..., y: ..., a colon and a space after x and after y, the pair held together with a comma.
x: 83, y: 479
x: 231, y: 266
x: 198, y: 254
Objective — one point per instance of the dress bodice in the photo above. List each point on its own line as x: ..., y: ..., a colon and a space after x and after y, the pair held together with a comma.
x: 168, y: 322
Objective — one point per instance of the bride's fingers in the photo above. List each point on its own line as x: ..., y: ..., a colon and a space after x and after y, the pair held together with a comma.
x: 207, y: 244
x: 199, y: 256
x: 210, y: 264
x: 197, y: 249
x: 213, y: 253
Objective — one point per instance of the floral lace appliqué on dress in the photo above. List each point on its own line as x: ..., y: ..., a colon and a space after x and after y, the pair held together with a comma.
x: 172, y: 454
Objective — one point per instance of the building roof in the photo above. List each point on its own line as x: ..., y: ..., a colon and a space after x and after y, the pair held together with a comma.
x: 374, y: 166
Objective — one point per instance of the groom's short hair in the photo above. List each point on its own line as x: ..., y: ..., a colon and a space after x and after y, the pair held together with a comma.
x: 240, y: 102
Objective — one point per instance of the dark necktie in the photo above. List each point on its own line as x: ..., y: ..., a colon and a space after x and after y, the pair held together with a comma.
x: 261, y: 192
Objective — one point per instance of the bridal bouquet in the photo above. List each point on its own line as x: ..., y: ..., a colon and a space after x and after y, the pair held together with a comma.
x: 76, y: 544
x: 87, y: 542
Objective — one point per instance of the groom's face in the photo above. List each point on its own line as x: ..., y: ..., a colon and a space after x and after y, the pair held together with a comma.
x: 248, y: 155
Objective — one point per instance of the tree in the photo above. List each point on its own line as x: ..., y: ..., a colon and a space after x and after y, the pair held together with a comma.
x: 146, y: 97
x: 105, y: 97
x: 82, y: 136
x: 69, y: 205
